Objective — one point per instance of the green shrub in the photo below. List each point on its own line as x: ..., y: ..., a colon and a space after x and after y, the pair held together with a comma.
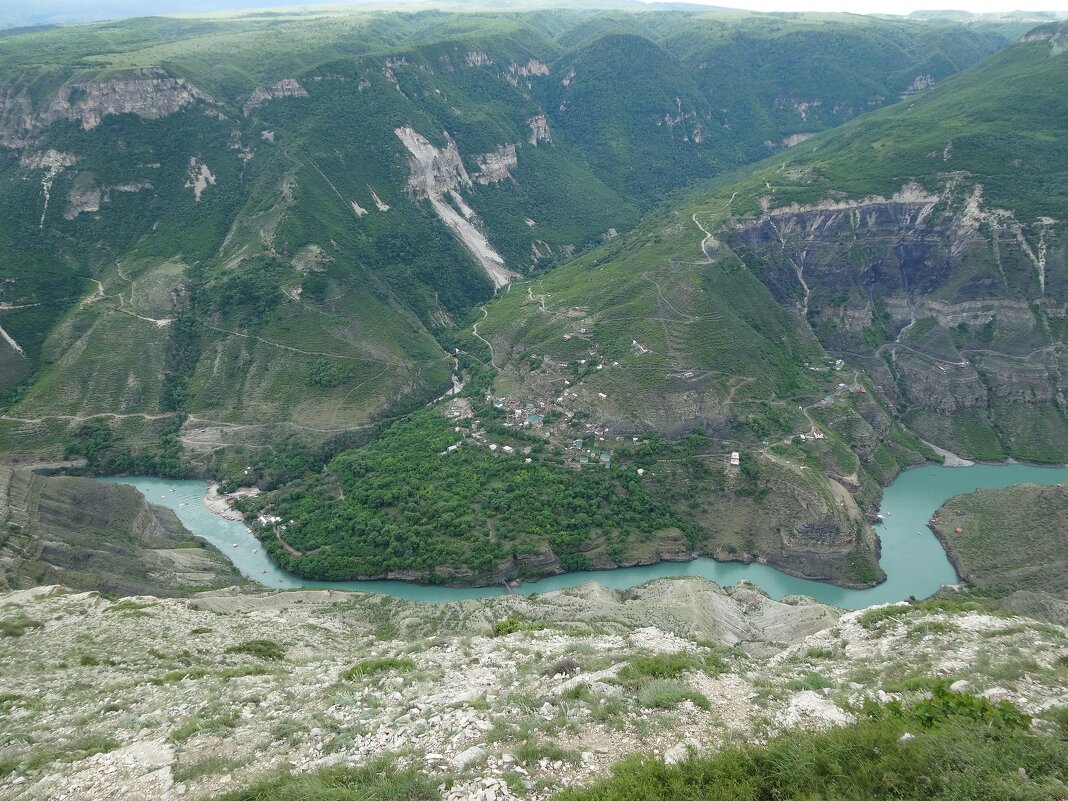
x: 874, y: 619
x: 17, y: 626
x: 131, y: 607
x: 261, y: 649
x: 668, y: 694
x: 818, y: 652
x: 576, y: 692
x: 382, y: 664
x: 960, y: 754
x: 945, y: 706
x: 1059, y: 718
x: 220, y: 724
x: 810, y: 681
x: 658, y: 666
x: 79, y: 748
x: 510, y: 625
x: 530, y: 753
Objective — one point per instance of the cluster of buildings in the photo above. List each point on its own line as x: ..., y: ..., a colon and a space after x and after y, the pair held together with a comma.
x: 581, y: 452
x: 528, y: 414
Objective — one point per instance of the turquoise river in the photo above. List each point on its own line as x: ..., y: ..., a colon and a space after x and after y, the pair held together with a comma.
x: 913, y: 559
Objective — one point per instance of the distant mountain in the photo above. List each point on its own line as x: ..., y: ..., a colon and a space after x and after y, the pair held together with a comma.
x: 244, y: 248
x: 290, y: 218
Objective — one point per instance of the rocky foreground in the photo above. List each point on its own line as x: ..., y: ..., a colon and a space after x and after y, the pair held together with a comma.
x: 513, y: 697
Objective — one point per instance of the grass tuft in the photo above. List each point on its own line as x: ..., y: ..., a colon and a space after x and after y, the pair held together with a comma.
x: 380, y: 780
x: 382, y: 664
x: 261, y: 649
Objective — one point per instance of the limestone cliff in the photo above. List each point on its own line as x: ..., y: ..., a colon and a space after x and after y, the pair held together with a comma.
x: 287, y: 87
x: 962, y: 299
x: 148, y: 92
x: 496, y: 166
x: 438, y: 175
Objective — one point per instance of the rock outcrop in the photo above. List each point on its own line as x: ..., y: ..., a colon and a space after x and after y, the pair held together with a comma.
x: 432, y: 171
x: 287, y: 87
x: 199, y: 177
x: 495, y: 166
x: 98, y: 536
x: 539, y: 130
x: 439, y: 175
x: 148, y: 92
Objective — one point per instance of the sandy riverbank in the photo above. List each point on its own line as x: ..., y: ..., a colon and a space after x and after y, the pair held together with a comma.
x: 951, y: 459
x: 216, y: 501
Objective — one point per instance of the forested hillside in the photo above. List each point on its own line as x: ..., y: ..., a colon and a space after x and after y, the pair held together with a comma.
x: 241, y: 198
x: 245, y: 248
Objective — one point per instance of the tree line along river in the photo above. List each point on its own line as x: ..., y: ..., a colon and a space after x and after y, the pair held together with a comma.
x: 913, y: 559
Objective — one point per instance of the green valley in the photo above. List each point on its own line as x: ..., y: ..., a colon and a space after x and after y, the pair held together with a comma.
x: 339, y: 345
x: 265, y: 270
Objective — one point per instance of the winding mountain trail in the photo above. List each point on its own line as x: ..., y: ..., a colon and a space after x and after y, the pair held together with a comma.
x: 345, y: 398
x: 298, y: 350
x: 708, y: 240
x: 1023, y: 357
x: 766, y: 451
x: 158, y: 323
x: 474, y: 330
x: 536, y: 298
x: 77, y: 418
x: 98, y: 295
x: 735, y: 386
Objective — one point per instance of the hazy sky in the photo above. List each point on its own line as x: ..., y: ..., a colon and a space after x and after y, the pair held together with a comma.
x: 891, y: 7
x: 29, y: 12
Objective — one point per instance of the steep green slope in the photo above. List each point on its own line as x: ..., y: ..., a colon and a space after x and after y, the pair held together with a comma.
x: 788, y: 76
x: 920, y: 266
x: 848, y: 247
x: 1013, y: 544
x: 88, y: 535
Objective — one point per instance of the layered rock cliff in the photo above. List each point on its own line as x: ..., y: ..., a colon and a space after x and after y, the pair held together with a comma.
x: 962, y: 301
x: 148, y: 92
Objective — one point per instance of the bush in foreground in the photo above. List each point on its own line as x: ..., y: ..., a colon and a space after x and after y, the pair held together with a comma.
x: 953, y: 747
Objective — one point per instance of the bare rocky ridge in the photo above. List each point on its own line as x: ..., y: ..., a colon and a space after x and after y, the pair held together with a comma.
x: 52, y: 162
x: 93, y: 535
x: 175, y: 708
x: 496, y: 166
x: 539, y: 130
